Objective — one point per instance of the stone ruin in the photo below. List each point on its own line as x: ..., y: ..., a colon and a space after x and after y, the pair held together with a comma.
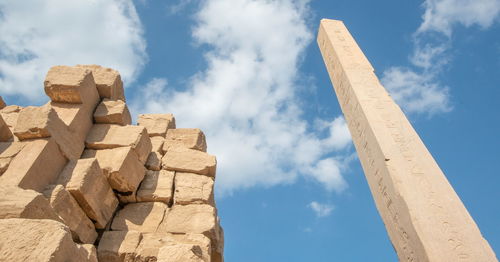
x: 79, y: 182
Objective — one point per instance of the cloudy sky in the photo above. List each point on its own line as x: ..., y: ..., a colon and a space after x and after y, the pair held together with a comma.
x: 249, y: 74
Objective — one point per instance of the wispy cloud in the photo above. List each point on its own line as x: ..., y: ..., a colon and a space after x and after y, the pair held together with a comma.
x: 417, y: 88
x: 321, y: 210
x: 36, y: 35
x: 246, y: 100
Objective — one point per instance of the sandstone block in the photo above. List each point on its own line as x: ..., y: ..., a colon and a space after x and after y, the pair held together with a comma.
x: 181, y: 253
x: 77, y: 117
x: 118, y: 246
x: 156, y: 124
x: 112, y: 112
x: 5, y: 133
x: 43, y: 122
x: 9, y: 115
x: 86, y: 183
x: 66, y: 207
x: 193, y: 189
x: 157, y: 144
x: 127, y: 198
x: 154, y: 161
x: 73, y: 85
x: 189, y: 160
x: 151, y: 243
x: 108, y: 82
x: 192, y: 138
x: 198, y: 219
x: 2, y: 103
x: 20, y: 203
x: 36, y: 166
x: 4, y: 164
x: 90, y: 252
x: 8, y: 150
x: 37, y: 240
x: 121, y: 166
x: 105, y: 136
x: 157, y: 186
x: 142, y: 217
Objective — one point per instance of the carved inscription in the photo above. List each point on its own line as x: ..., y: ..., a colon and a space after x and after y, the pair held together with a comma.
x: 396, y: 162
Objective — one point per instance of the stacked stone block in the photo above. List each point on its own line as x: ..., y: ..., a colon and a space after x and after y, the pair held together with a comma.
x: 83, y: 184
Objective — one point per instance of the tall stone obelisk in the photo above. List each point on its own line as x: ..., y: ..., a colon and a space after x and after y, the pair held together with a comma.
x: 424, y: 217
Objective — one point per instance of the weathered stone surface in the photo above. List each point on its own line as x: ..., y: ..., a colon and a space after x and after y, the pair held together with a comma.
x: 2, y: 103
x: 37, y: 240
x: 73, y: 85
x: 157, y: 186
x: 5, y: 133
x: 112, y: 112
x: 193, y: 189
x: 192, y: 138
x: 156, y: 124
x: 424, y: 217
x: 90, y: 252
x: 199, y: 219
x: 66, y: 207
x: 154, y: 161
x: 43, y: 122
x: 105, y: 136
x: 151, y: 243
x: 20, y: 203
x: 181, y: 253
x: 8, y: 150
x: 77, y: 117
x: 127, y: 198
x: 142, y: 217
x: 9, y: 115
x: 189, y: 160
x: 90, y: 188
x: 157, y: 144
x: 36, y: 166
x: 121, y: 166
x: 118, y: 246
x: 108, y: 82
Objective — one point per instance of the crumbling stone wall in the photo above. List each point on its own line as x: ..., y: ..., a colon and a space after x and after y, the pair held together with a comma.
x: 79, y: 182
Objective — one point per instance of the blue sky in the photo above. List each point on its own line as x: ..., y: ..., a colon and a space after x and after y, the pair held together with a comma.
x: 249, y: 73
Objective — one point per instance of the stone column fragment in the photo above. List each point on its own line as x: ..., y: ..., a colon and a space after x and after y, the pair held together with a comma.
x: 156, y: 124
x: 424, y: 217
x: 86, y: 183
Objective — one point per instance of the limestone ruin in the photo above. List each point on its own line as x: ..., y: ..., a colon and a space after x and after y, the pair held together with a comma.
x: 424, y: 217
x: 79, y: 182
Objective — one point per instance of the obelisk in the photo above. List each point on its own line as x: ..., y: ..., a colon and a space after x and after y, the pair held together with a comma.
x: 424, y: 217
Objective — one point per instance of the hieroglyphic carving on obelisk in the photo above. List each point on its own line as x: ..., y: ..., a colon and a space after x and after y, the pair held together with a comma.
x: 424, y: 217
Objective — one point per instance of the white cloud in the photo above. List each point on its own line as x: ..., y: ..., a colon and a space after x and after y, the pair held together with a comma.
x: 417, y: 89
x: 36, y: 35
x: 321, y: 210
x: 246, y: 101
x: 416, y: 93
x: 442, y: 15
